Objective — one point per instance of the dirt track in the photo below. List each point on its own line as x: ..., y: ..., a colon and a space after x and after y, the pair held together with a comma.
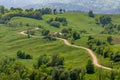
x: 93, y: 56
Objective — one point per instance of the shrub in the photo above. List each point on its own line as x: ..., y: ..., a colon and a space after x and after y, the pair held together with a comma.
x: 22, y: 55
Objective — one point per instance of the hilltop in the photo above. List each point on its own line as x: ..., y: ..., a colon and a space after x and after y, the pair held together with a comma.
x: 98, y: 6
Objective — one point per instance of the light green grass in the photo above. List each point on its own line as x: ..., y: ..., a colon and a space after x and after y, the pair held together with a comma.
x: 11, y: 42
x: 76, y: 21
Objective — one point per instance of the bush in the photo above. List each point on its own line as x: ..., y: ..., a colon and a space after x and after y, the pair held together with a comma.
x: 22, y: 55
x: 90, y: 67
x: 55, y: 24
x: 91, y: 14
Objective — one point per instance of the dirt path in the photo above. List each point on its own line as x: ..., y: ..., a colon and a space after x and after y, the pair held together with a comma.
x: 93, y: 56
x: 91, y: 53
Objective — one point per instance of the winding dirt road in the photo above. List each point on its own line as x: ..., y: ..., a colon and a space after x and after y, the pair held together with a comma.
x: 91, y: 53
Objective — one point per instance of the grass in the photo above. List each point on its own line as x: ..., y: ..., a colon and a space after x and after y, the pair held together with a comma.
x: 76, y: 21
x: 11, y: 41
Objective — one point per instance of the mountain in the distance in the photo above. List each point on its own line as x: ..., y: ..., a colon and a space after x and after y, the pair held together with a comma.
x: 98, y: 6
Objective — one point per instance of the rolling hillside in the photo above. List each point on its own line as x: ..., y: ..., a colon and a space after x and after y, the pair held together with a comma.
x: 98, y: 6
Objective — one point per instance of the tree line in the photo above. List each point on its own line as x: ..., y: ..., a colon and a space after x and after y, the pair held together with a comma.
x: 50, y: 68
x: 7, y: 14
x: 57, y: 22
x: 104, y: 49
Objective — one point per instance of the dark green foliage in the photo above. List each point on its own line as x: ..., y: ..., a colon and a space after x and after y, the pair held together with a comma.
x: 102, y: 48
x: 54, y: 11
x: 74, y: 74
x: 66, y: 30
x: 64, y: 76
x: 115, y: 57
x: 112, y: 75
x: 91, y: 14
x: 12, y: 70
x: 54, y: 61
x: 95, y: 42
x: 42, y: 60
x: 30, y: 32
x: 45, y: 11
x: 57, y: 22
x: 60, y: 19
x: 90, y: 67
x: 30, y: 13
x: 110, y: 29
x: 69, y: 33
x: 56, y: 73
x: 2, y: 9
x: 90, y: 37
x: 49, y: 21
x: 28, y: 36
x: 76, y: 35
x: 96, y: 21
x: 45, y: 32
x: 61, y: 11
x: 104, y: 20
x: 109, y: 39
x: 57, y: 60
x: 22, y: 55
x: 118, y: 28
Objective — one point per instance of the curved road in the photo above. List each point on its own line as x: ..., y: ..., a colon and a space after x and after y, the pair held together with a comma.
x: 91, y: 53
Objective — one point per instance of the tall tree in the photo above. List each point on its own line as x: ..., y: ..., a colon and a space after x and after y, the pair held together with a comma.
x: 91, y: 14
x: 61, y: 11
x: 2, y: 9
x: 55, y: 11
x: 76, y: 35
x: 90, y: 67
x: 109, y: 39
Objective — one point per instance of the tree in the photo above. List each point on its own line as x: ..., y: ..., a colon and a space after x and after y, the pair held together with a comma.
x: 57, y: 60
x: 75, y: 74
x: 56, y: 74
x: 118, y: 27
x: 109, y: 39
x: 76, y: 35
x: 104, y: 20
x: 45, y: 32
x: 96, y: 21
x: 22, y: 55
x: 91, y: 14
x: 2, y: 9
x: 55, y: 11
x: 55, y: 24
x: 42, y: 60
x: 64, y: 76
x: 112, y: 75
x: 90, y: 37
x: 61, y: 11
x: 90, y: 67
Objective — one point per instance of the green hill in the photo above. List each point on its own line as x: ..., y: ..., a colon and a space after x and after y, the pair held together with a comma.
x: 11, y: 41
